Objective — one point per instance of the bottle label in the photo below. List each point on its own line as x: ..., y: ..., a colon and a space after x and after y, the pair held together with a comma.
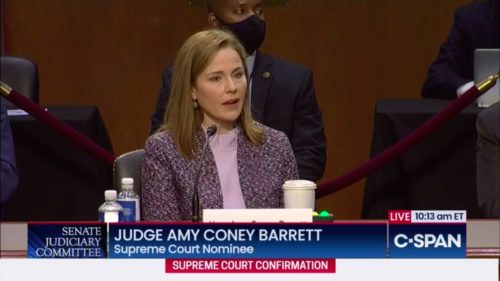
x: 129, y: 210
x: 109, y: 217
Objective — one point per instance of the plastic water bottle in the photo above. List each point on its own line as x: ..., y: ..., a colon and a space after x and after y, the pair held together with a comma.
x: 129, y: 201
x: 110, y: 210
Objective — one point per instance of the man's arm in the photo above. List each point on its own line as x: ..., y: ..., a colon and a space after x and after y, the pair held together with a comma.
x: 161, y: 104
x: 488, y: 161
x: 308, y: 136
x: 453, y: 65
x: 9, y: 176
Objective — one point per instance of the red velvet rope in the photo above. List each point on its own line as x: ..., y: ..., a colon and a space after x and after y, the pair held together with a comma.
x: 398, y: 149
x: 339, y: 183
x: 73, y: 135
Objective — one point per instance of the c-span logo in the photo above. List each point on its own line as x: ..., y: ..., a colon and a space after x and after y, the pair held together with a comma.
x: 428, y: 240
x: 427, y: 234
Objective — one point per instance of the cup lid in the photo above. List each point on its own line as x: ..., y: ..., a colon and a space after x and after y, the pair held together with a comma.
x: 290, y: 184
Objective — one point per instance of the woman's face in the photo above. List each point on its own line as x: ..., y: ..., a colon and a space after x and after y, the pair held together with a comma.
x: 220, y: 90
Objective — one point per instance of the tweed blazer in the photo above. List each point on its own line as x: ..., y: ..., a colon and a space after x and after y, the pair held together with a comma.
x: 168, y: 176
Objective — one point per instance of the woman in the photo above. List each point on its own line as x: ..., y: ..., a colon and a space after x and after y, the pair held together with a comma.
x: 246, y: 163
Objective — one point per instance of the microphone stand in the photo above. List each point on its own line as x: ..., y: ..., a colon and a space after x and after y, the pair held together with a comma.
x: 196, y: 197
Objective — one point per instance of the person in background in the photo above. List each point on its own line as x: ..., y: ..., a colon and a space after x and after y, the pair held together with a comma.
x: 9, y: 176
x: 476, y: 26
x: 246, y: 163
x: 488, y: 161
x: 281, y: 93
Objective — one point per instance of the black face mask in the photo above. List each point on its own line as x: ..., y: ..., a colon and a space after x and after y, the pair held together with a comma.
x: 250, y: 31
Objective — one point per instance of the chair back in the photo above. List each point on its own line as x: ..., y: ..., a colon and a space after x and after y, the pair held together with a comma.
x: 129, y: 165
x: 21, y: 74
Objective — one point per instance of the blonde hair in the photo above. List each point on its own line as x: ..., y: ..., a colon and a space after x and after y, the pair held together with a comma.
x: 182, y: 120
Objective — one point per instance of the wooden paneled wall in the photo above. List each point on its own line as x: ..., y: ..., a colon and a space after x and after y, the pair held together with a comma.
x: 110, y: 53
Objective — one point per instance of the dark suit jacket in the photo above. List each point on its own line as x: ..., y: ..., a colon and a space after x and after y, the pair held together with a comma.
x: 476, y: 26
x: 283, y: 98
x: 488, y: 161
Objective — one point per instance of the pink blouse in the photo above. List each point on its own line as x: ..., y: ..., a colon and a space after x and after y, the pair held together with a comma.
x: 224, y: 148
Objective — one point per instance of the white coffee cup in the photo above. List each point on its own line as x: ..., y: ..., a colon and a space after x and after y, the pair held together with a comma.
x: 299, y: 194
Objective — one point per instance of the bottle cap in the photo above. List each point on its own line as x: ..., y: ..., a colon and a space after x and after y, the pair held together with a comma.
x: 127, y: 184
x: 110, y: 195
x: 127, y: 181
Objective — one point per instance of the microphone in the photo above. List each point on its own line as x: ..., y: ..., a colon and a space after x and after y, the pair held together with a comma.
x: 196, y: 197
